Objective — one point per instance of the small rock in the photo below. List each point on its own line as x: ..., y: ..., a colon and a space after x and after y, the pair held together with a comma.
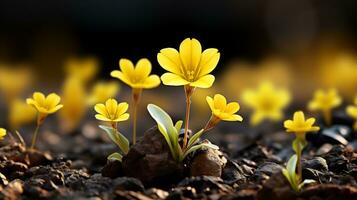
x: 13, y: 190
x: 269, y: 168
x: 112, y: 169
x: 324, y: 149
x: 276, y: 188
x: 233, y: 173
x: 336, y: 134
x: 317, y: 163
x: 203, y: 183
x: 150, y: 160
x: 207, y: 163
x: 329, y: 191
x: 128, y: 183
x: 156, y: 193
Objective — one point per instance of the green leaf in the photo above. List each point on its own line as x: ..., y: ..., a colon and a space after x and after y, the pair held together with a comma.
x: 197, y: 147
x: 168, y: 141
x: 178, y: 125
x: 115, y: 156
x: 118, y: 138
x: 291, y: 168
x: 167, y: 129
x: 194, y: 138
x: 306, y: 182
x: 161, y: 117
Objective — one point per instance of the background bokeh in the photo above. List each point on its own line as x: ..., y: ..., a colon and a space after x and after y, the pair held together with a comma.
x: 299, y: 45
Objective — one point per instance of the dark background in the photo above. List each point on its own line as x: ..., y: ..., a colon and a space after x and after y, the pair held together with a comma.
x: 45, y: 33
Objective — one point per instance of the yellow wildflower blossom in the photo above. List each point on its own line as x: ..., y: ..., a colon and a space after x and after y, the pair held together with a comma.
x: 190, y: 66
x: 45, y: 105
x: 85, y: 68
x: 111, y: 111
x: 222, y: 110
x: 299, y: 125
x: 267, y: 102
x: 325, y: 101
x: 136, y: 77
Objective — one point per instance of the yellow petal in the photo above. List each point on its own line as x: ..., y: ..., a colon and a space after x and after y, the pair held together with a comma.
x: 173, y: 79
x: 352, y: 111
x: 52, y: 100
x: 234, y: 118
x: 126, y: 66
x: 256, y: 118
x: 143, y: 68
x: 123, y: 77
x: 203, y: 82
x: 209, y: 61
x: 102, y: 118
x: 100, y: 108
x: 220, y: 102
x: 210, y: 102
x: 39, y: 98
x: 190, y: 53
x: 55, y: 109
x: 310, y: 121
x: 2, y: 132
x: 152, y: 81
x: 232, y: 107
x: 299, y: 117
x: 123, y: 117
x: 288, y: 124
x: 169, y: 59
x: 314, y: 128
x: 111, y: 106
x: 122, y: 108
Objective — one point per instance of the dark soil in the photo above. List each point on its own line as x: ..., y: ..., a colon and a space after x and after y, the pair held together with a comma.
x: 77, y: 168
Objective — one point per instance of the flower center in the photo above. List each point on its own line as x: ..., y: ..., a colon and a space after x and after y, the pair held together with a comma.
x: 190, y: 75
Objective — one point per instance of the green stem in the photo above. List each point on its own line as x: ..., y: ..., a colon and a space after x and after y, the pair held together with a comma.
x: 327, y: 117
x: 136, y: 97
x: 188, y: 92
x: 34, y: 137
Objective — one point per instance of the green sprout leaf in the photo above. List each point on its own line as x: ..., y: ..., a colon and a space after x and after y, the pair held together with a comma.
x: 299, y: 144
x: 194, y: 138
x: 115, y: 156
x: 118, y: 138
x: 306, y: 182
x: 290, y: 173
x: 199, y: 146
x: 166, y: 128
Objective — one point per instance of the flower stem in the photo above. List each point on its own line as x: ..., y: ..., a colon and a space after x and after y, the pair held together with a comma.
x: 188, y: 92
x: 34, y: 137
x: 40, y: 119
x: 327, y: 117
x: 136, y: 98
x: 212, y: 122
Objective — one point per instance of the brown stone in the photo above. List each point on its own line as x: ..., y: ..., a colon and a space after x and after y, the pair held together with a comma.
x: 209, y: 162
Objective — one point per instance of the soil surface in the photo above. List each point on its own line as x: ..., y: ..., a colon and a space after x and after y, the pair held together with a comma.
x: 75, y: 167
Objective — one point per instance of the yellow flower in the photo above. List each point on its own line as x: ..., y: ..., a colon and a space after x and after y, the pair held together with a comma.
x: 137, y: 77
x: 45, y: 105
x: 85, y: 69
x: 102, y: 91
x: 13, y: 82
x: 190, y: 66
x: 2, y: 133
x: 267, y: 102
x: 222, y: 110
x: 352, y: 111
x: 299, y: 125
x: 73, y: 98
x: 111, y: 111
x: 20, y: 113
x: 325, y: 100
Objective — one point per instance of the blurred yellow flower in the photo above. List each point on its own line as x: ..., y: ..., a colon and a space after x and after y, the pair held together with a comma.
x: 20, y: 113
x: 111, y: 111
x: 45, y: 105
x: 102, y: 91
x: 2, y: 133
x: 222, y: 110
x: 325, y: 101
x: 352, y: 111
x: 299, y: 125
x: 267, y: 102
x: 13, y: 82
x: 73, y: 98
x: 137, y: 77
x: 190, y: 66
x: 85, y: 68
